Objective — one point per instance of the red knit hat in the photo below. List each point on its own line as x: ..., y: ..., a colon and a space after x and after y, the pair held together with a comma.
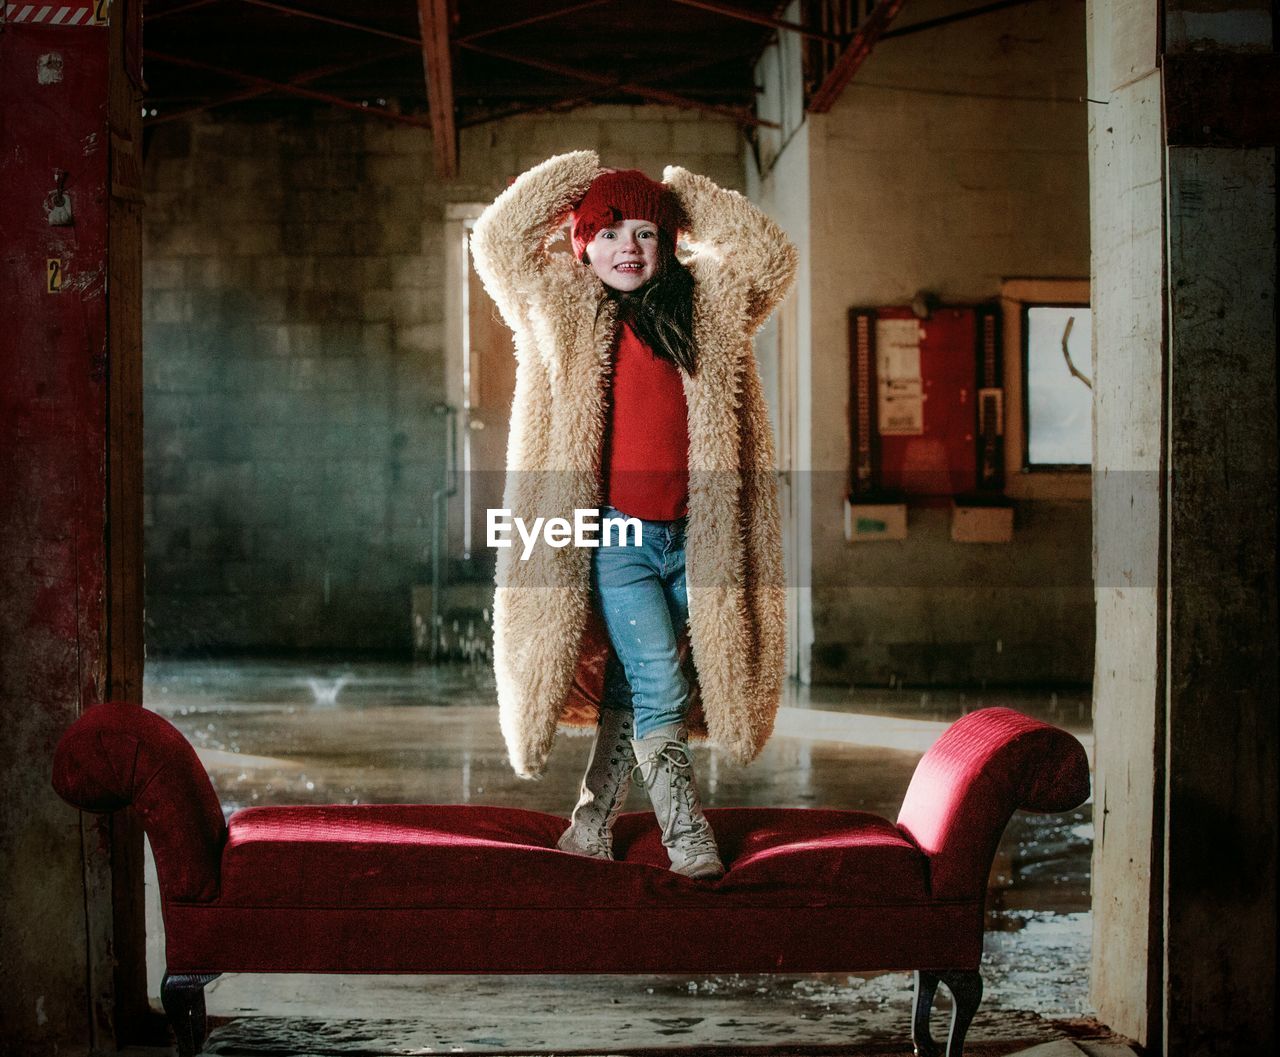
x: 624, y: 194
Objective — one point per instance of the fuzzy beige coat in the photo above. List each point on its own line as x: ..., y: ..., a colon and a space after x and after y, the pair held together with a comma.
x: 546, y: 634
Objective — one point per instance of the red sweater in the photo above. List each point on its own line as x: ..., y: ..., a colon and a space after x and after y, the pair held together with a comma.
x: 646, y: 459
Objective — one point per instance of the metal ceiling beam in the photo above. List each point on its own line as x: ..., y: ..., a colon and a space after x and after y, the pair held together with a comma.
x: 180, y: 9
x: 544, y: 16
x: 741, y: 116
x: 567, y: 103
x: 946, y: 20
x: 328, y: 20
x: 853, y: 56
x: 577, y: 100
x: 287, y: 89
x: 729, y: 11
x: 437, y: 67
x: 305, y: 77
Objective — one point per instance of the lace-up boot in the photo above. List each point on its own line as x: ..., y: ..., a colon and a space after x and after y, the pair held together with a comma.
x: 664, y: 767
x: 604, y: 788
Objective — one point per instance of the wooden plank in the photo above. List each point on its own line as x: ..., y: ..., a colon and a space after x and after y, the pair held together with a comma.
x: 437, y: 65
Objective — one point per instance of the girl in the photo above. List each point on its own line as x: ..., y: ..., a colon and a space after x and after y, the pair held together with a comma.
x: 637, y: 391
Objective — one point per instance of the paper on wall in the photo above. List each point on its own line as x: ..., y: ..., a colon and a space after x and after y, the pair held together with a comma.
x: 901, y: 390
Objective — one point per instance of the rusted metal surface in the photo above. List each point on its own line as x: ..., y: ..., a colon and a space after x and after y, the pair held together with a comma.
x: 437, y: 68
x: 55, y: 889
x: 840, y: 72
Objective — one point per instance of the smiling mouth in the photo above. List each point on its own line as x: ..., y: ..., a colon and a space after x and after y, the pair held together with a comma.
x: 627, y: 267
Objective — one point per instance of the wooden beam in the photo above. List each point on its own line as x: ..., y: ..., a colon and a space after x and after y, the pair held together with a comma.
x: 658, y: 95
x: 437, y: 65
x: 853, y: 56
x: 729, y: 11
x: 287, y: 89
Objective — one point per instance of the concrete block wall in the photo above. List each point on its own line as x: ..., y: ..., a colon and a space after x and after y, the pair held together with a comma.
x: 957, y: 157
x: 294, y: 306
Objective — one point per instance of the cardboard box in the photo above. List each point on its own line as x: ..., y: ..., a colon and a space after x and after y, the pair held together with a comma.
x: 988, y: 523
x: 874, y: 521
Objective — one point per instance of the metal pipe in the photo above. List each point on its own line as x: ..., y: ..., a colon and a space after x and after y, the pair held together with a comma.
x: 439, y: 512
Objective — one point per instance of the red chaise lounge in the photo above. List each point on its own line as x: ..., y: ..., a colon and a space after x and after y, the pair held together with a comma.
x: 469, y: 889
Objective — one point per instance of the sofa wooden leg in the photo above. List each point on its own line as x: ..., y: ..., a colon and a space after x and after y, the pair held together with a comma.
x: 183, y: 998
x: 965, y: 986
x: 921, y: 1006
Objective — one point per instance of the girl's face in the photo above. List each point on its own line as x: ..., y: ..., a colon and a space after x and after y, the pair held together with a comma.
x: 625, y: 255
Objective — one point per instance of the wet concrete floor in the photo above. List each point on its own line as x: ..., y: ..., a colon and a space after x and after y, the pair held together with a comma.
x: 307, y: 732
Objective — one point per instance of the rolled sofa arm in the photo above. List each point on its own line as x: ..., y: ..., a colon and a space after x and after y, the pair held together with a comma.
x: 985, y: 766
x: 118, y: 755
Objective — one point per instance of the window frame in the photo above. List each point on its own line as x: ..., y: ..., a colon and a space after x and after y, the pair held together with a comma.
x: 1023, y: 481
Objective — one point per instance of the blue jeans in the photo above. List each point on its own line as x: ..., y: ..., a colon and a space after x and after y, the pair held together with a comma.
x: 645, y: 605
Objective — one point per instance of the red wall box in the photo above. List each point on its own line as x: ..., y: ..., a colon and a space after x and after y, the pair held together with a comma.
x: 914, y: 402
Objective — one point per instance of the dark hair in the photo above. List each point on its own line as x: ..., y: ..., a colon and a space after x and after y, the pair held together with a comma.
x: 661, y: 311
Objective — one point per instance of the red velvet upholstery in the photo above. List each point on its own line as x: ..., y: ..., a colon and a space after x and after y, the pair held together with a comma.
x: 401, y: 888
x: 117, y: 755
x: 964, y: 791
x: 648, y: 939
x: 424, y: 856
x: 420, y: 888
